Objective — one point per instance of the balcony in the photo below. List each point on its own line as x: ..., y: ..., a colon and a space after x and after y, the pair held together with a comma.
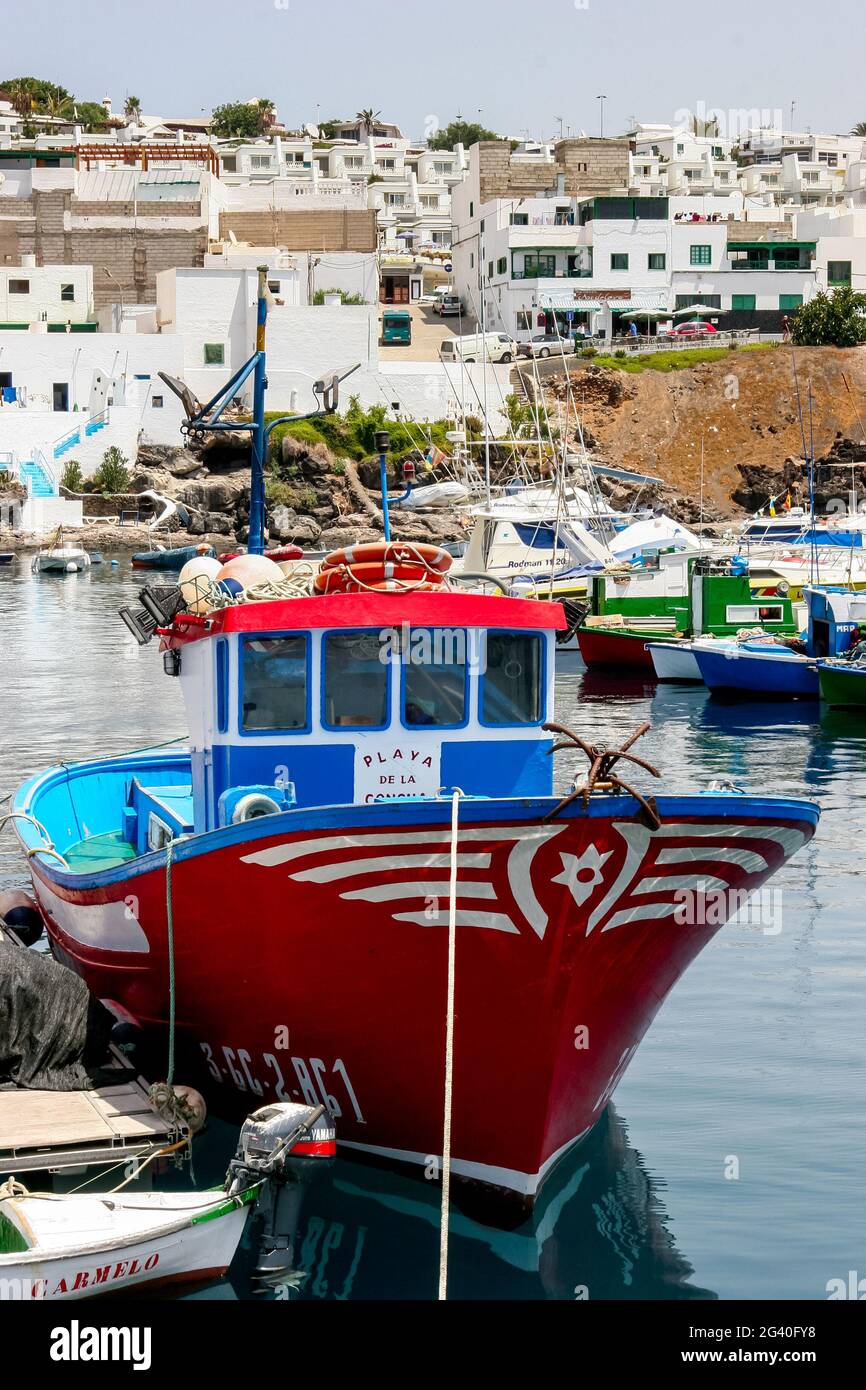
x: 543, y: 273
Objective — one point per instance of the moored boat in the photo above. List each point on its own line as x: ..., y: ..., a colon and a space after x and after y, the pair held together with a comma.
x: 642, y: 615
x: 311, y: 824
x: 369, y: 786
x: 60, y: 558
x: 843, y: 683
x: 674, y: 661
x: 173, y: 559
x: 56, y: 1247
x: 756, y: 670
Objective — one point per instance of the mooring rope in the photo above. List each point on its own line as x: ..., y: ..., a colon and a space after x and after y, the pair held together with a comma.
x: 449, y: 1051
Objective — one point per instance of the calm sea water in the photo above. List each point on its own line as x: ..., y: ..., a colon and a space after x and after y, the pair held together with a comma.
x: 731, y: 1165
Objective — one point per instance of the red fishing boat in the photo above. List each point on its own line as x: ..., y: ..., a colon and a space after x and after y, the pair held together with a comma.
x: 368, y: 767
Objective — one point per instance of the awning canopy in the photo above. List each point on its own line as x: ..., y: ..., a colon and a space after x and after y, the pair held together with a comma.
x: 654, y: 303
x: 564, y: 299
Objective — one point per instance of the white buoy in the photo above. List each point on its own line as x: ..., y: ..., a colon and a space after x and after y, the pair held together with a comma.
x: 196, y: 579
x: 251, y: 569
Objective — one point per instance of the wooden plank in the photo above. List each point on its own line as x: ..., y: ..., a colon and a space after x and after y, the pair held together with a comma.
x: 49, y: 1120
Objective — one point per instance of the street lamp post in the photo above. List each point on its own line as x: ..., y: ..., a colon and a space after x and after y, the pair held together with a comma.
x: 107, y: 272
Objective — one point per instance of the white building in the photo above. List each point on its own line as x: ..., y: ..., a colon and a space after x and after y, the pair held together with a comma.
x: 53, y: 296
x: 585, y: 263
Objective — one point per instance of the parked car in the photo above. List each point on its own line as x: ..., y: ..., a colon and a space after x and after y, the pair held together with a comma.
x: 396, y: 326
x: 449, y: 304
x: 695, y: 329
x: 543, y: 344
x: 478, y: 347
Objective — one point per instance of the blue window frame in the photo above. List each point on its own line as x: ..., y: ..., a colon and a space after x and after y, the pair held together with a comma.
x: 222, y: 685
x: 356, y: 679
x: 513, y: 686
x: 275, y: 684
x: 434, y: 679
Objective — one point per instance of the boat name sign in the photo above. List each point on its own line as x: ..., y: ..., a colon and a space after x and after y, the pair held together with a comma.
x: 396, y: 771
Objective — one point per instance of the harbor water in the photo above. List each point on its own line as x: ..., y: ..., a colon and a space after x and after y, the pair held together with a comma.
x: 730, y: 1163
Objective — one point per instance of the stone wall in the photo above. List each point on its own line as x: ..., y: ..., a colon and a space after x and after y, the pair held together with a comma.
x: 587, y: 166
x: 325, y: 229
x: 135, y: 252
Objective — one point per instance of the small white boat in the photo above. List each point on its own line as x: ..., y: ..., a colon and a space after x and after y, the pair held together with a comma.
x: 64, y: 1247
x: 59, y: 558
x: 674, y: 661
x: 55, y: 1247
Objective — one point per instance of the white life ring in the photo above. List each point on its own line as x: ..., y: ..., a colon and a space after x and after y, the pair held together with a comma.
x: 254, y: 805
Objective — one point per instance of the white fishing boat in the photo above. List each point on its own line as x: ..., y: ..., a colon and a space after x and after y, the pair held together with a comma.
x: 63, y: 1247
x: 58, y: 558
x: 674, y: 661
x: 70, y: 1246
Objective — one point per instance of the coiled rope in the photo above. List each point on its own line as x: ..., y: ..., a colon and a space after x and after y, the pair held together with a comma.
x: 449, y: 1051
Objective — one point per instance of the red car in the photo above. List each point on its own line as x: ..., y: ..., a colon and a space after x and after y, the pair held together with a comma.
x: 695, y: 329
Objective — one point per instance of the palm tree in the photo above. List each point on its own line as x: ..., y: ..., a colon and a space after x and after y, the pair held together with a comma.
x: 58, y: 103
x: 368, y: 119
x: 132, y: 109
x: 21, y: 98
x: 267, y: 114
x: 859, y: 128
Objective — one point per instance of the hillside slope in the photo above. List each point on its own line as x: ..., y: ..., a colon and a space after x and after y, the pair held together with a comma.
x: 745, y: 404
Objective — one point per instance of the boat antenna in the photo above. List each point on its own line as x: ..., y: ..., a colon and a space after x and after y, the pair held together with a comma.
x: 702, y: 491
x: 807, y: 455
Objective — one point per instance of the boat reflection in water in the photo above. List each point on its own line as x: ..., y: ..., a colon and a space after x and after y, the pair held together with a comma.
x: 598, y: 1231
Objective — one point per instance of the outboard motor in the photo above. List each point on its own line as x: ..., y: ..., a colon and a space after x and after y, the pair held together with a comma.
x: 275, y: 1137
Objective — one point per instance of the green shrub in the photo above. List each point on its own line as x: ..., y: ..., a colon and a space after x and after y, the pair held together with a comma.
x: 588, y: 352
x: 112, y: 475
x: 72, y: 477
x: 345, y: 297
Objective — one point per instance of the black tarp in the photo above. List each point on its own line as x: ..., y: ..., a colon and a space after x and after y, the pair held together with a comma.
x: 53, y: 1033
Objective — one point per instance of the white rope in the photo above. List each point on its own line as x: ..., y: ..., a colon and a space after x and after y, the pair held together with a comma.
x: 449, y: 1053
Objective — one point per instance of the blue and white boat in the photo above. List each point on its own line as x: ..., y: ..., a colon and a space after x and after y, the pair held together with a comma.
x: 763, y: 669
x: 771, y: 668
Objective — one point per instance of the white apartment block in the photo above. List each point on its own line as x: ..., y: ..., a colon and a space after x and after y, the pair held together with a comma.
x: 582, y: 264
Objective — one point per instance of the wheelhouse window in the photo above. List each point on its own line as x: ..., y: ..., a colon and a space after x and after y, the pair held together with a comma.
x: 355, y: 681
x: 434, y: 678
x: 511, y: 688
x: 275, y: 683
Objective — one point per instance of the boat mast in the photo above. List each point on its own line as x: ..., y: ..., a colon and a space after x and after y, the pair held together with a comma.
x: 256, y: 542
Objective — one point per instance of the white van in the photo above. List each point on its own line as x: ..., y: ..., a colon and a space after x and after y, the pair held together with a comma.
x: 479, y: 347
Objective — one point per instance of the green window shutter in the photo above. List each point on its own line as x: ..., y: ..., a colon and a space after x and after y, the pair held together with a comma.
x: 619, y: 260
x: 656, y: 260
x: 501, y: 265
x: 790, y: 301
x: 838, y: 272
x: 742, y: 301
x: 700, y: 255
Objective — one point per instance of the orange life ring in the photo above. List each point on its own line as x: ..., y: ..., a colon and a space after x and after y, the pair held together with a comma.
x: 431, y: 557
x: 355, y: 578
x: 367, y: 575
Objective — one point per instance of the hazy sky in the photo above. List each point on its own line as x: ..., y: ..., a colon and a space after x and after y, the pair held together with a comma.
x: 524, y: 63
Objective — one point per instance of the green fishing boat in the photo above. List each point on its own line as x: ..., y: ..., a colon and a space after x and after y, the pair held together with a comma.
x: 843, y: 683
